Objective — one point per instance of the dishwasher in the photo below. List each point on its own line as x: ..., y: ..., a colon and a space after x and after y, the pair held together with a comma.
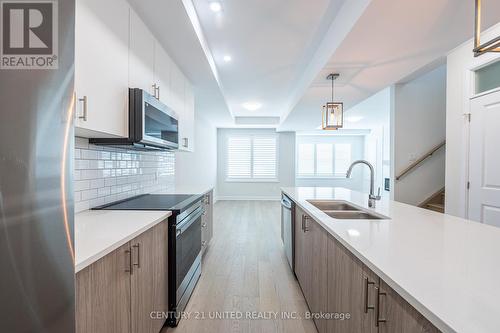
x: 288, y: 227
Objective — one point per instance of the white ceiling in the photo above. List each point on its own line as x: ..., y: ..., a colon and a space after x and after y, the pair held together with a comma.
x: 282, y: 50
x: 270, y: 42
x: 391, y: 41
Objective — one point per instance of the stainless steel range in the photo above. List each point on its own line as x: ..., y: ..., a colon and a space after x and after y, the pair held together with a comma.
x: 184, y: 247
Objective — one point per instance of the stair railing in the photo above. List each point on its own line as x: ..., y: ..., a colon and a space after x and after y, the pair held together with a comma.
x: 420, y: 160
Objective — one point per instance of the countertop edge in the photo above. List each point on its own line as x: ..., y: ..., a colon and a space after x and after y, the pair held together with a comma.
x: 427, y: 313
x: 102, y: 253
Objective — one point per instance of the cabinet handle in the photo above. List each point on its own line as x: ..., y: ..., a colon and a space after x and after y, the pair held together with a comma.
x: 379, y: 320
x: 138, y: 247
x: 367, y: 290
x: 158, y: 92
x: 85, y: 102
x: 129, y: 269
x: 305, y: 225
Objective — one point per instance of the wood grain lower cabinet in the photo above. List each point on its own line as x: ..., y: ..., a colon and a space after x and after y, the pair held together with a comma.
x: 318, y: 302
x: 149, y: 281
x: 398, y: 316
x: 352, y: 290
x: 311, y: 264
x: 334, y: 281
x: 118, y: 292
x: 303, y: 253
x: 103, y: 294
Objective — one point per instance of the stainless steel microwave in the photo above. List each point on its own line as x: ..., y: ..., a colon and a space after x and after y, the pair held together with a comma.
x: 152, y: 124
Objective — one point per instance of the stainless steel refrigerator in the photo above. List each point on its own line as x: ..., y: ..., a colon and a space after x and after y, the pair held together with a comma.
x: 37, y: 291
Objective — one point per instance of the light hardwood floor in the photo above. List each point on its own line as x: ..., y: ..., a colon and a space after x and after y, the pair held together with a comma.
x: 245, y: 270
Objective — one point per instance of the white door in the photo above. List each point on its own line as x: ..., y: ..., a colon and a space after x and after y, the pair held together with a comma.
x: 484, y: 159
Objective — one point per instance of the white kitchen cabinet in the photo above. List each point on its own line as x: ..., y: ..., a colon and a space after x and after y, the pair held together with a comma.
x: 186, y: 121
x: 142, y: 54
x: 101, y: 68
x: 177, y: 89
x: 162, y: 68
x: 116, y: 51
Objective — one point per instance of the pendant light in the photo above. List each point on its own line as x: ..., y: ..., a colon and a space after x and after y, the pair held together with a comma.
x: 490, y: 46
x: 333, y: 112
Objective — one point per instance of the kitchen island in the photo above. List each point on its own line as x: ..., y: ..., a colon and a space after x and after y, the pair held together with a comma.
x: 445, y: 267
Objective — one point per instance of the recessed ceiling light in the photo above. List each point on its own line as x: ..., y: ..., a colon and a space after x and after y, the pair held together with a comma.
x: 353, y: 119
x: 215, y: 6
x: 251, y: 106
x: 227, y: 58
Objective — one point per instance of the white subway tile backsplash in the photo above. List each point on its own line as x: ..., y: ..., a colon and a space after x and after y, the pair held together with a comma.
x: 104, y: 174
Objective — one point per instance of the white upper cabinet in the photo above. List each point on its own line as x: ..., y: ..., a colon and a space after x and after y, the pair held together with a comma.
x: 162, y: 68
x: 186, y: 125
x: 101, y: 68
x: 177, y: 88
x: 116, y: 51
x: 142, y: 53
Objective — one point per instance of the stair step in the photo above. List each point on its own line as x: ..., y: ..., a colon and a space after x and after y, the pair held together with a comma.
x: 435, y: 207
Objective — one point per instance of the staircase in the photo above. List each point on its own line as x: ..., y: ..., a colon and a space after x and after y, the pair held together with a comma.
x: 435, y: 202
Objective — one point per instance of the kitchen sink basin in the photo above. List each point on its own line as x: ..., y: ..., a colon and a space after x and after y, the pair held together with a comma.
x: 327, y: 205
x: 343, y: 210
x: 353, y: 215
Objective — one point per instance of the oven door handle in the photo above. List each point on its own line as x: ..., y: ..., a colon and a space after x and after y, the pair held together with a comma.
x: 184, y: 225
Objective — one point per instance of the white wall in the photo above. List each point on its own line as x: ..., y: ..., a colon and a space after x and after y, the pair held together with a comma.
x: 418, y: 124
x: 256, y: 190
x: 199, y: 168
x: 460, y: 62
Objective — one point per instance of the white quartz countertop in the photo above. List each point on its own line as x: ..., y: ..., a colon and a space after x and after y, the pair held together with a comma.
x: 448, y: 268
x: 186, y: 189
x: 100, y: 232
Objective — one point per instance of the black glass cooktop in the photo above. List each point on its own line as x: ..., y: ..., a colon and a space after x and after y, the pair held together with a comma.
x: 153, y: 202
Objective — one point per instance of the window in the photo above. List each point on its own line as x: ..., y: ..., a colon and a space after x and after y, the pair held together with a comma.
x: 342, y: 157
x: 251, y: 157
x: 323, y: 159
x: 306, y: 159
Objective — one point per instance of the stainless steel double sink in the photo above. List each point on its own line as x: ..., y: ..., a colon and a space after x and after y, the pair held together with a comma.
x: 344, y: 210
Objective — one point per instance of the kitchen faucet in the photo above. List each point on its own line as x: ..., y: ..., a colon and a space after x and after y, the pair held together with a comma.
x: 372, y: 197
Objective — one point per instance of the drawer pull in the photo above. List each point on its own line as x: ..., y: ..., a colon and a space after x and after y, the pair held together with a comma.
x: 379, y: 320
x: 367, y: 291
x: 138, y: 247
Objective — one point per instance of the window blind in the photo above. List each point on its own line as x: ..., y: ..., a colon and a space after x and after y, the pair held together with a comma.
x: 264, y: 157
x: 239, y: 157
x: 251, y: 157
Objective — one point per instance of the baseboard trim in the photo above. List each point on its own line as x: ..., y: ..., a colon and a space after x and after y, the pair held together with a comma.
x: 247, y: 198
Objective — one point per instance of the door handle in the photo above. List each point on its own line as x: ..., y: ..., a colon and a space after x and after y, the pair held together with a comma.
x: 138, y: 247
x: 367, y: 291
x: 85, y: 102
x: 379, y: 320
